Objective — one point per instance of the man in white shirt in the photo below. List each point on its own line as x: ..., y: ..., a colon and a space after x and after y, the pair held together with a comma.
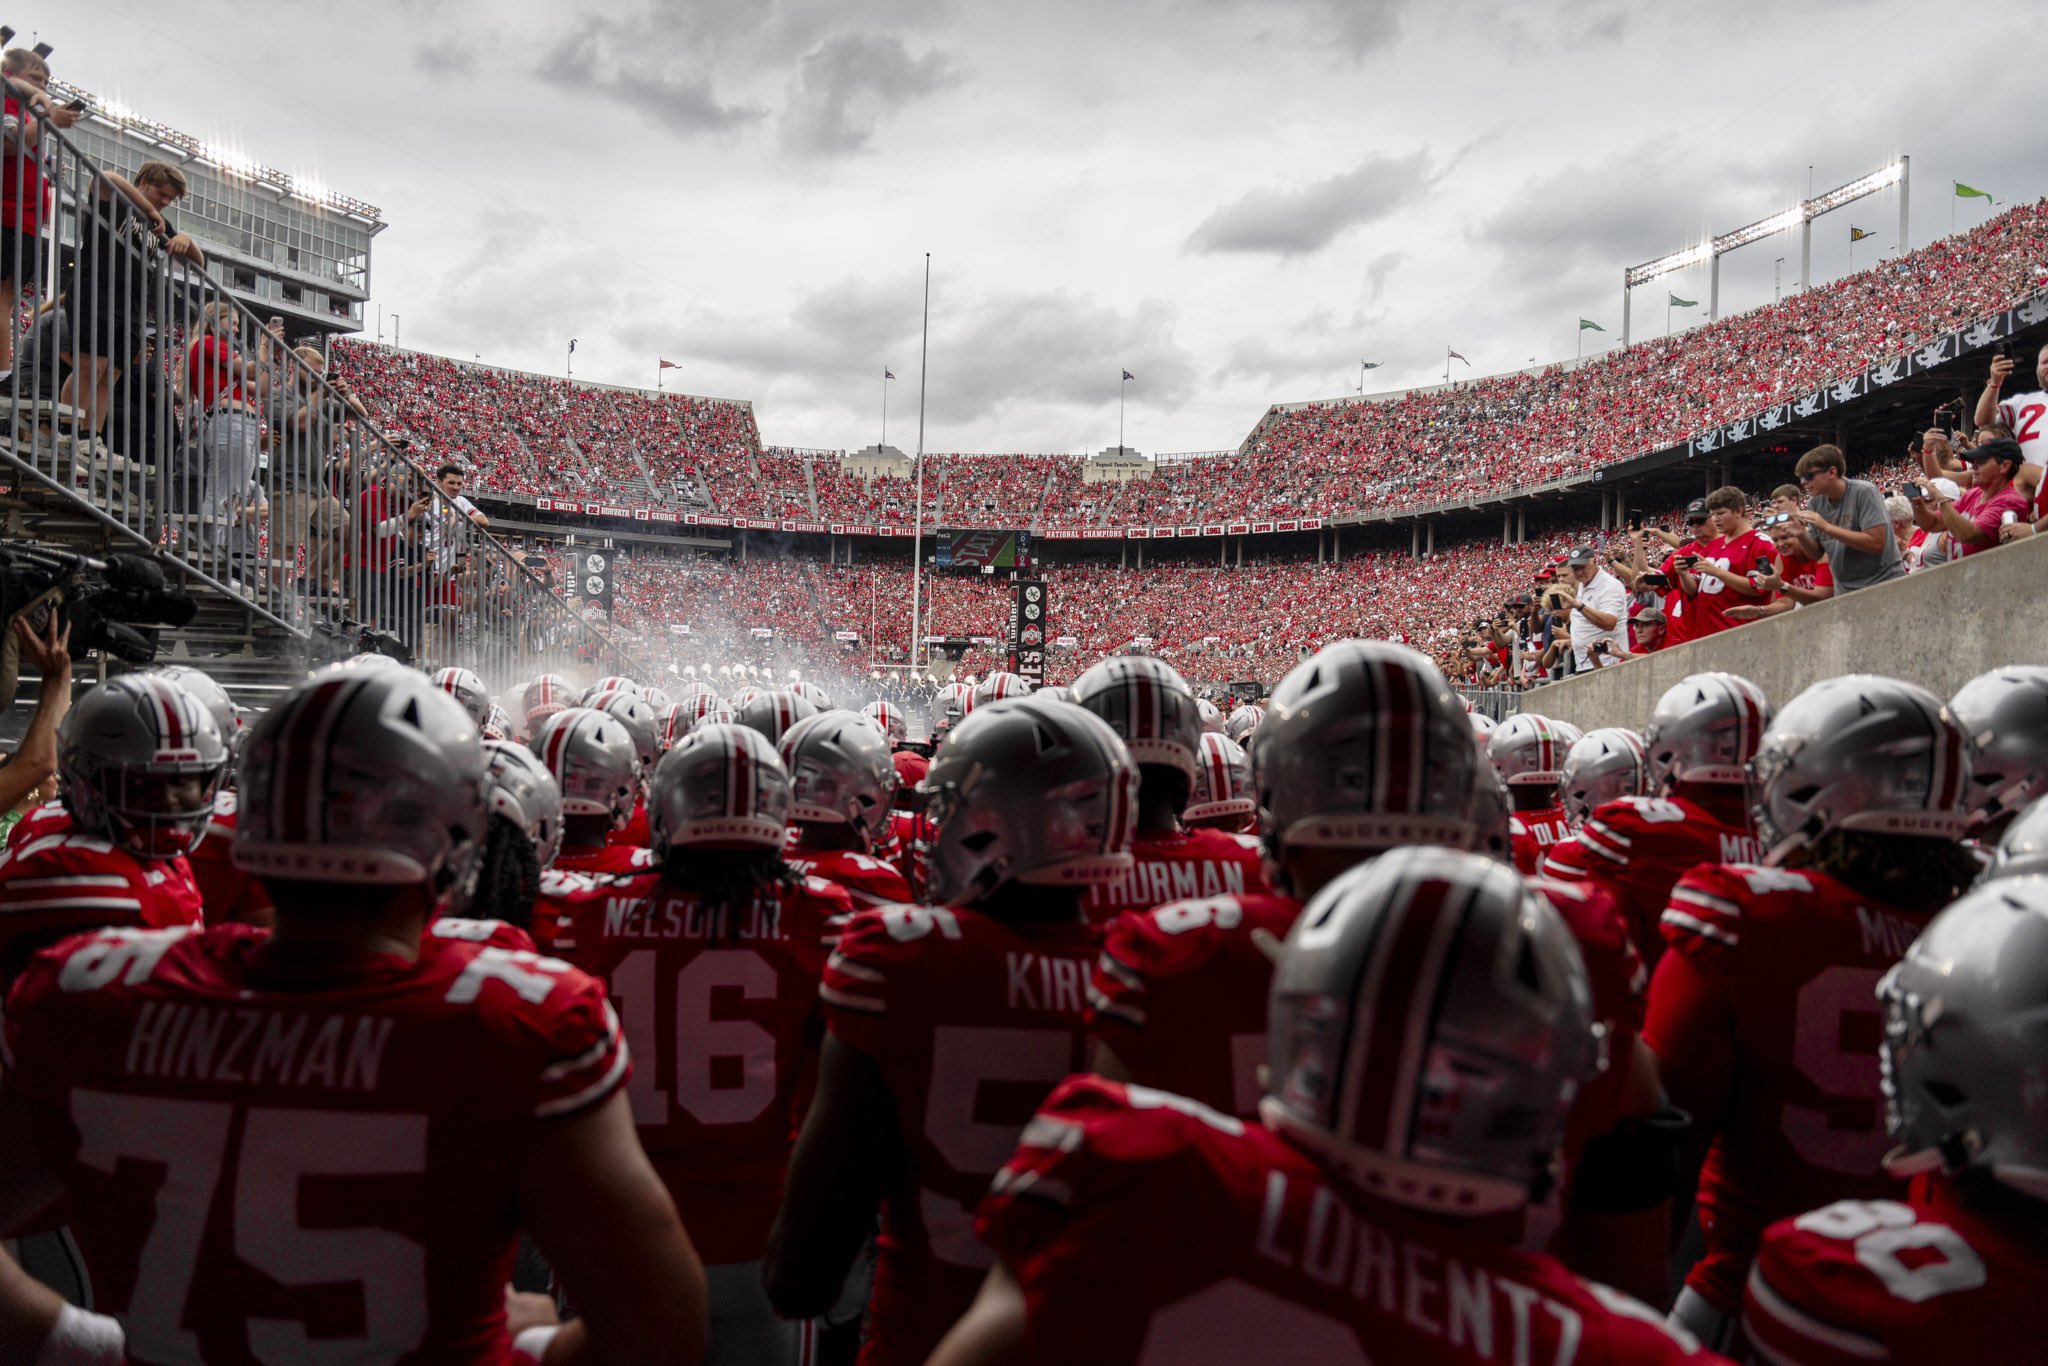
x: 2024, y: 415
x: 1600, y: 613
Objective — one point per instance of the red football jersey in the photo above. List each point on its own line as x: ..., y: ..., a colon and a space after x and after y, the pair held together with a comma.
x: 1640, y: 846
x: 867, y: 879
x: 1179, y: 995
x: 972, y: 1021
x: 1144, y: 1228
x: 716, y: 1017
x: 615, y: 860
x: 62, y: 883
x: 1765, y: 1014
x: 1621, y: 982
x: 1180, y: 865
x: 635, y: 831
x: 1533, y: 833
x: 906, y: 830
x: 1566, y: 861
x: 1876, y: 1280
x: 50, y: 818
x: 228, y: 893
x: 262, y: 1172
x: 1742, y: 556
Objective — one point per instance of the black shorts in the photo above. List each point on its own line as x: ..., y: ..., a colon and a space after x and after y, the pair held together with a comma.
x: 21, y: 258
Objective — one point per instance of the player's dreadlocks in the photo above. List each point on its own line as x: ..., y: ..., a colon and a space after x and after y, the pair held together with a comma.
x: 508, y: 876
x: 729, y: 883
x: 1907, y: 871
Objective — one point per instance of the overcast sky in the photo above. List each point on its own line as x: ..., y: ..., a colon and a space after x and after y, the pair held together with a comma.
x: 1235, y: 202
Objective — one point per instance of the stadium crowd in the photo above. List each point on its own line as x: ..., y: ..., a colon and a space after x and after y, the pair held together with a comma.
x: 573, y: 1022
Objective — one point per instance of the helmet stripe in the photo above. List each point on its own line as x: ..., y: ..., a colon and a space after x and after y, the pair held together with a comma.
x: 298, y: 781
x: 739, y: 792
x: 1407, y: 965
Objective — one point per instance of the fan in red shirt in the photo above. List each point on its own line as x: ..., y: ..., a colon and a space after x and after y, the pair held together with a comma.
x: 1717, y: 576
x: 1954, y: 1272
x: 842, y: 785
x: 1178, y: 996
x: 139, y: 762
x: 713, y: 967
x: 1333, y: 1228
x: 949, y: 1023
x: 1528, y: 753
x: 1678, y: 611
x: 359, y: 1116
x: 596, y: 764
x: 1702, y: 734
x: 1763, y: 1014
x: 1795, y: 583
x: 1150, y: 707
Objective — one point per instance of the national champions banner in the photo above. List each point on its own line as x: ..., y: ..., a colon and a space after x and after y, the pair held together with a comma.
x: 1029, y: 622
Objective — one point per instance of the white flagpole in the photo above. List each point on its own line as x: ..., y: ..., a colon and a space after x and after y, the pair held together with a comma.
x: 917, y: 497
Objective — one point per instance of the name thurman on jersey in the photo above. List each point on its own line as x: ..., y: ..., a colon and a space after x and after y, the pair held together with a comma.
x: 1154, y: 884
x: 238, y: 1045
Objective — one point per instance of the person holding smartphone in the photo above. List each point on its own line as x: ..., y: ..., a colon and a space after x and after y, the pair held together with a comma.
x: 1845, y: 519
x: 2024, y: 414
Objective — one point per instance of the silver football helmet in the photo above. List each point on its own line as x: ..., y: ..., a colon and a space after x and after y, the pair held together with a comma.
x: 671, y: 725
x: 1243, y: 722
x: 1482, y: 728
x: 950, y: 705
x: 1027, y: 791
x: 2004, y: 714
x: 1528, y: 750
x: 697, y: 706
x: 610, y: 683
x: 139, y: 760
x: 1430, y: 1022
x: 1365, y: 748
x: 813, y: 694
x: 543, y: 697
x: 1605, y: 764
x: 468, y: 690
x: 1965, y: 1029
x: 1493, y: 812
x: 1705, y: 729
x: 498, y: 725
x: 641, y: 721
x: 840, y: 773
x: 773, y: 713
x: 1149, y: 705
x: 594, y: 762
x: 890, y: 718
x: 657, y: 699
x: 212, y: 696
x: 520, y: 788
x: 1223, y: 788
x: 1054, y: 692
x: 1210, y: 715
x: 998, y: 685
x: 2023, y: 848
x: 1859, y: 752
x: 721, y: 787
x: 363, y: 776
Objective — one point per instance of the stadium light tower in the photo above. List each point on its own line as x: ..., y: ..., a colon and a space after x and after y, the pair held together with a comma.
x: 1799, y: 216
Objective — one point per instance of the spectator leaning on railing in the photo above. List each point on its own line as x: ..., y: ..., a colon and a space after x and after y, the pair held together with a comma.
x: 1718, y: 576
x: 1972, y: 521
x: 1845, y: 520
x: 24, y: 197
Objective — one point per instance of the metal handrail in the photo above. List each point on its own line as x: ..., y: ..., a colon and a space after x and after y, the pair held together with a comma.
x: 149, y: 399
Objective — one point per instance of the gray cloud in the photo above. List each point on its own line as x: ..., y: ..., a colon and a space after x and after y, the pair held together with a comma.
x: 1297, y: 221
x: 610, y: 59
x: 849, y: 83
x: 445, y: 57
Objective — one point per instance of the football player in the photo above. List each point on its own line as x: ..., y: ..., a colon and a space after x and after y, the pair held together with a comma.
x: 350, y: 1117
x: 948, y: 1023
x: 1602, y: 766
x: 909, y: 831
x: 842, y: 786
x: 1701, y: 736
x: 523, y: 834
x: 1429, y: 1025
x: 468, y: 690
x: 714, y: 970
x: 643, y: 723
x: 139, y: 761
x: 1222, y: 797
x: 1528, y: 752
x: 889, y: 717
x: 773, y: 713
x: 1954, y: 1270
x: 226, y: 892
x: 1177, y: 1000
x: 1763, y: 1013
x: 1150, y: 707
x: 595, y: 763
x: 2023, y: 848
x: 2004, y: 714
x: 542, y: 698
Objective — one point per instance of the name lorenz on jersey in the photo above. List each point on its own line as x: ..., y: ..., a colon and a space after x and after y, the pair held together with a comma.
x: 1288, y: 1266
x: 338, y: 1165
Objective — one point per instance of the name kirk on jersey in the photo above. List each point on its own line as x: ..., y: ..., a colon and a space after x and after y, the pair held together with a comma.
x: 243, y: 1046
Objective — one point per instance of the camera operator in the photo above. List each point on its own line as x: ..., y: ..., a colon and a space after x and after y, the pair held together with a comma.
x: 1597, y: 612
x: 1665, y: 578
x: 1797, y: 580
x: 28, y: 773
x: 1646, y: 632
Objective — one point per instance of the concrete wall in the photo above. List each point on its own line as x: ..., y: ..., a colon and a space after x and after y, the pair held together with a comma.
x: 1939, y: 628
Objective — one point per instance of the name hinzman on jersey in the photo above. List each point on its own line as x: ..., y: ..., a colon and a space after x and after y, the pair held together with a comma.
x: 248, y: 1047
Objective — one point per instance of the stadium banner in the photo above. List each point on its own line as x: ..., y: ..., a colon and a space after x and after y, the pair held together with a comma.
x: 757, y: 523
x: 860, y: 531
x: 544, y: 504
x: 678, y: 629
x: 613, y: 510
x: 764, y: 633
x: 713, y: 519
x: 1162, y: 533
x: 1139, y: 533
x: 1028, y: 623
x: 1283, y: 526
x: 984, y: 640
x: 1112, y: 533
x: 850, y: 637
x: 839, y: 528
x: 1311, y: 524
x: 670, y: 517
x: 885, y: 531
x: 1261, y: 528
x: 1066, y: 642
x: 643, y: 514
x: 1210, y: 529
x: 592, y: 509
x: 803, y: 526
x: 977, y: 551
x: 594, y: 577
x: 1239, y: 528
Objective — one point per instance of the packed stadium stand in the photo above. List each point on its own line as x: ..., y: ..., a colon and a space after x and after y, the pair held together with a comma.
x: 1430, y: 445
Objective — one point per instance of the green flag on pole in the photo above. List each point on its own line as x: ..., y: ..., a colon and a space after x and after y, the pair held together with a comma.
x: 1677, y: 302
x: 1586, y: 324
x: 1966, y: 192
